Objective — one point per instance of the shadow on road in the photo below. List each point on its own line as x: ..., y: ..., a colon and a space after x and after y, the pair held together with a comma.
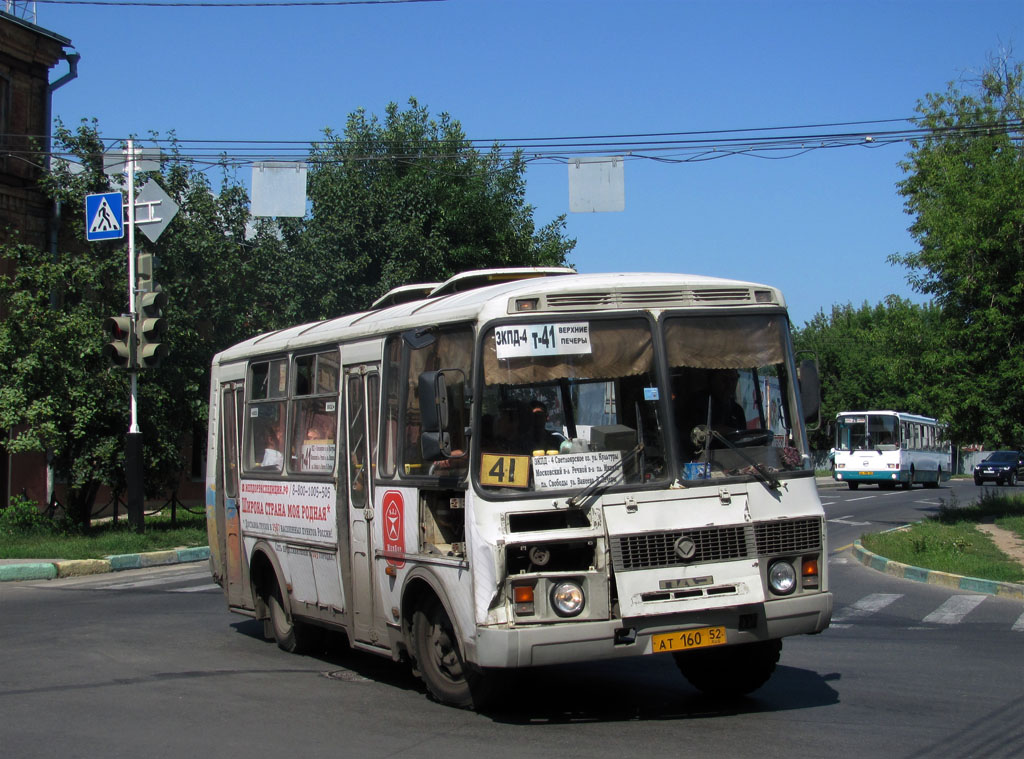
x: 641, y: 688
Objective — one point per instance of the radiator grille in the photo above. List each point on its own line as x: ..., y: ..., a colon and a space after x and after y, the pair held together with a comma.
x: 788, y: 536
x: 657, y: 549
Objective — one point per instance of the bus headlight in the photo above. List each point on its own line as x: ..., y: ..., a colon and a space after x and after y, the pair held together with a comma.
x: 567, y: 599
x: 781, y: 577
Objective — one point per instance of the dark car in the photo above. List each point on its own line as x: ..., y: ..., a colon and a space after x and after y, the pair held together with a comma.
x: 1000, y: 466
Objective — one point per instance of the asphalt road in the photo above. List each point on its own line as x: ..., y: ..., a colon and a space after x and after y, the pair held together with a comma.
x: 149, y: 662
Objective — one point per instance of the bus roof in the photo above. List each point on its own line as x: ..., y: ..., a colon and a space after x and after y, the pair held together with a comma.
x: 495, y: 295
x: 901, y: 414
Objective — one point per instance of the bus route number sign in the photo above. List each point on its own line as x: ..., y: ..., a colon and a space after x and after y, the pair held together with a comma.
x: 505, y: 471
x: 559, y: 339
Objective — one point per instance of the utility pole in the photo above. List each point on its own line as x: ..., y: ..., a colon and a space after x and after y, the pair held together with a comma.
x: 134, y: 338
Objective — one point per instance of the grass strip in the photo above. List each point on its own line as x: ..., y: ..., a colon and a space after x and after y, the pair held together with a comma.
x: 951, y: 542
x: 106, y: 539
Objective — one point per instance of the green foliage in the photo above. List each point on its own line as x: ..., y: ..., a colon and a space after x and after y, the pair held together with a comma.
x: 873, y: 357
x: 964, y: 188
x: 407, y: 200
x: 394, y: 202
x: 989, y: 507
x: 22, y: 518
x: 107, y: 539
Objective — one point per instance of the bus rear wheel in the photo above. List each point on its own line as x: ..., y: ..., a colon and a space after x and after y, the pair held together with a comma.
x: 730, y: 671
x: 291, y: 636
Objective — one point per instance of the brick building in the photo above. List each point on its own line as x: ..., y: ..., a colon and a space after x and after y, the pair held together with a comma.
x: 27, y: 55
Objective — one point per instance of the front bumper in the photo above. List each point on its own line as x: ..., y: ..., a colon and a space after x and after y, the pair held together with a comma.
x: 611, y: 639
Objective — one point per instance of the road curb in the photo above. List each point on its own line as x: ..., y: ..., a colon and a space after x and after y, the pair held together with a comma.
x: 933, y: 577
x: 49, y: 570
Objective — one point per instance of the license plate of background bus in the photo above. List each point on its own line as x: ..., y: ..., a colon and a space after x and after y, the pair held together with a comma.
x: 684, y: 640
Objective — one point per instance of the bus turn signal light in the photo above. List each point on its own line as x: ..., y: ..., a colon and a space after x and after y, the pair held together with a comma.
x: 522, y: 596
x: 810, y: 572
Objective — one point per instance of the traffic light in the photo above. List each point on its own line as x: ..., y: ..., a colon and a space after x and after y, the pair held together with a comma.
x: 144, y: 273
x: 121, y: 348
x: 150, y: 329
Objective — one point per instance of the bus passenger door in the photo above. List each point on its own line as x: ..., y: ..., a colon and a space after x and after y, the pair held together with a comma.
x: 362, y: 391
x: 228, y: 498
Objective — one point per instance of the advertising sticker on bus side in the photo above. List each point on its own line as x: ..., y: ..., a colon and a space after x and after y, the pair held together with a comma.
x: 542, y: 340
x: 297, y: 510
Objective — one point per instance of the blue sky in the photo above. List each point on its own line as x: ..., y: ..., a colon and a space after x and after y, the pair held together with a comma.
x: 819, y: 226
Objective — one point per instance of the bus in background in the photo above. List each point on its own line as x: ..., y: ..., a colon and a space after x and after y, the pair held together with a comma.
x: 891, y: 448
x: 524, y: 467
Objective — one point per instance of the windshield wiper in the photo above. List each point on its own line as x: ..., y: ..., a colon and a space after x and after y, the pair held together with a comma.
x: 591, y: 489
x: 764, y: 474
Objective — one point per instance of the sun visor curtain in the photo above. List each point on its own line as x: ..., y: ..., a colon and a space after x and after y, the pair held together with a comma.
x: 618, y: 349
x: 725, y: 342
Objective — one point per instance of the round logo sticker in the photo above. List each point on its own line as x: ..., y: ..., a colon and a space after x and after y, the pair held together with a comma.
x: 393, y: 525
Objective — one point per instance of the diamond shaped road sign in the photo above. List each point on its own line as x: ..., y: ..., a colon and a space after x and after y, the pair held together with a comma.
x: 154, y: 210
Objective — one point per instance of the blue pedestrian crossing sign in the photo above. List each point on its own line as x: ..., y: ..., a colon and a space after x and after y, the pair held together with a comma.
x: 104, y: 216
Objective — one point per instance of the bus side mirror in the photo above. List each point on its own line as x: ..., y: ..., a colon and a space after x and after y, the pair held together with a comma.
x: 435, y: 440
x: 810, y: 392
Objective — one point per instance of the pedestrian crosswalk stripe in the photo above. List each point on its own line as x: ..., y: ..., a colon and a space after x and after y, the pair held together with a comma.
x: 954, y: 610
x: 867, y: 605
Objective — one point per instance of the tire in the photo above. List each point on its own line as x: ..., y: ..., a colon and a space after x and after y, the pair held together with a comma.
x: 853, y: 485
x: 1012, y: 479
x: 977, y: 481
x: 731, y: 671
x: 440, y: 662
x: 291, y: 636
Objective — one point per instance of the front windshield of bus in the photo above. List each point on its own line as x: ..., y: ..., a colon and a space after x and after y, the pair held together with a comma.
x: 732, y: 398
x: 867, y: 432
x: 566, y: 402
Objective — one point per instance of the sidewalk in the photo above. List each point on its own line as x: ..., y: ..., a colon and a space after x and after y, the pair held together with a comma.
x: 49, y: 569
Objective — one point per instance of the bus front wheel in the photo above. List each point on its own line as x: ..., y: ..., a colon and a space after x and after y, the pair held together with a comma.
x: 439, y: 658
x: 730, y: 671
x: 853, y: 485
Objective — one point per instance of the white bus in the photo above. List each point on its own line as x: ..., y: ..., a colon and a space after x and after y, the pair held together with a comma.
x: 891, y: 448
x: 525, y: 467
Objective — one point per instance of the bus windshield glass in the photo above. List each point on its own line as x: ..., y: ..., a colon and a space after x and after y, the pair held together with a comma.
x: 566, y: 402
x: 867, y: 432
x: 731, y: 396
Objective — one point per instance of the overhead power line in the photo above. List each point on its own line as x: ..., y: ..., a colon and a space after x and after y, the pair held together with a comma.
x: 772, y: 143
x: 281, y: 4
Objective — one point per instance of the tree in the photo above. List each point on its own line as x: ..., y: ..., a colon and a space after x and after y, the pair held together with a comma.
x: 56, y: 390
x: 405, y: 201
x: 874, y: 357
x: 409, y: 200
x: 965, y: 190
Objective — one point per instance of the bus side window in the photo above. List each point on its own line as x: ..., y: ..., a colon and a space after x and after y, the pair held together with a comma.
x: 314, y: 419
x: 266, y: 389
x: 452, y: 349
